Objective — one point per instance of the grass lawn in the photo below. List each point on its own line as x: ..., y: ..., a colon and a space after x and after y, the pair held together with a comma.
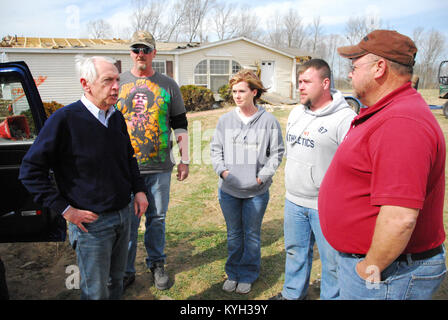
x: 196, y: 231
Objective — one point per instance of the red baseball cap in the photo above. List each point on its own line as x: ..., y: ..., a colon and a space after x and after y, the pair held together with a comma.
x: 384, y: 43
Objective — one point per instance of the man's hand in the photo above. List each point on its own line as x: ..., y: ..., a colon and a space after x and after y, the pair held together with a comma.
x: 140, y: 203
x: 182, y: 171
x: 369, y: 273
x: 393, y: 229
x: 78, y: 217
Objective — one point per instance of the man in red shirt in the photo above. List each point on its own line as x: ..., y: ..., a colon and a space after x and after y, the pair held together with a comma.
x: 381, y: 201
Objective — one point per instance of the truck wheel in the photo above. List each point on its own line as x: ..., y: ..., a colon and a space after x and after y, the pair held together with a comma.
x: 353, y: 103
x: 445, y: 109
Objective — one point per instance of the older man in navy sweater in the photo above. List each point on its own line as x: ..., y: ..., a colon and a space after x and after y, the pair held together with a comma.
x: 87, y: 146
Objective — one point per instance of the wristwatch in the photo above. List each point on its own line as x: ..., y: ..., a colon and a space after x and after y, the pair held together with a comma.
x: 185, y: 161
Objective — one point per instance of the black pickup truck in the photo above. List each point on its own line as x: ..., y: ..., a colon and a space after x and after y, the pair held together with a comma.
x: 22, y: 115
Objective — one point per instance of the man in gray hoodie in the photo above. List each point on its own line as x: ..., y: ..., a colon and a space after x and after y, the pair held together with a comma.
x: 314, y: 130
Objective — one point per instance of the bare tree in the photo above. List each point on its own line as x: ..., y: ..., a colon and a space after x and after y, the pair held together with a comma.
x: 139, y: 15
x: 99, y: 29
x: 195, y: 11
x: 358, y: 27
x: 294, y: 31
x: 148, y: 16
x: 355, y: 29
x: 431, y: 46
x: 247, y: 24
x: 224, y: 20
x: 328, y: 48
x: 174, y: 22
x: 275, y: 31
x: 417, y: 35
x: 316, y: 34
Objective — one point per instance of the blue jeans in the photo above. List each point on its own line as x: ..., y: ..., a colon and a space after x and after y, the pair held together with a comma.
x: 101, y: 254
x: 243, y: 219
x: 302, y: 229
x: 158, y: 187
x: 408, y: 280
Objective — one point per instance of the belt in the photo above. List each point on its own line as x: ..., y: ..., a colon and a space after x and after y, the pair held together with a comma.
x: 414, y: 256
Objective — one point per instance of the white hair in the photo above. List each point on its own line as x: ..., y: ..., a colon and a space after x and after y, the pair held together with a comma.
x: 85, y: 66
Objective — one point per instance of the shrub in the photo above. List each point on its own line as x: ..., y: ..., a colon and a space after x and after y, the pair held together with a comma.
x: 225, y: 93
x: 197, y: 98
x: 29, y: 119
x: 51, y: 107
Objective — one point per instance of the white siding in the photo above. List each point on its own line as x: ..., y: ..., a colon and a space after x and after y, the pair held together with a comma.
x: 62, y: 85
x: 58, y: 69
x: 246, y: 54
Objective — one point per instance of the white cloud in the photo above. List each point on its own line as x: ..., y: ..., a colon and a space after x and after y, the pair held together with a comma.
x: 336, y: 12
x: 121, y: 23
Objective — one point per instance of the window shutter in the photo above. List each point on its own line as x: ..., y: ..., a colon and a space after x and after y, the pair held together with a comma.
x: 118, y: 65
x: 169, y: 69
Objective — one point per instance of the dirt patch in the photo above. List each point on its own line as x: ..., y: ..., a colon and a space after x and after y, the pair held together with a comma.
x: 38, y: 270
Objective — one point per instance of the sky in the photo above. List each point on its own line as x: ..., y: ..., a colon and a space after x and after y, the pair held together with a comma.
x: 68, y: 18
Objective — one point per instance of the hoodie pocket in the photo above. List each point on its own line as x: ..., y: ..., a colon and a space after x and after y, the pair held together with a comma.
x: 243, y: 178
x: 299, y: 180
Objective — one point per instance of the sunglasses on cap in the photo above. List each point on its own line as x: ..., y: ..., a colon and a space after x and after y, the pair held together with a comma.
x: 145, y: 50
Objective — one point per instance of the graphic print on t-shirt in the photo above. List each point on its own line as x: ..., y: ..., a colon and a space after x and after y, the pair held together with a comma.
x: 144, y: 105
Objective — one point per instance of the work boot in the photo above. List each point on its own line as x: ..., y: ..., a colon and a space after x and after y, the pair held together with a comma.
x: 161, y: 279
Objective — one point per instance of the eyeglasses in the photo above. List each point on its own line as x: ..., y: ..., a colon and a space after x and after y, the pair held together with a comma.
x: 353, y: 67
x: 145, y: 50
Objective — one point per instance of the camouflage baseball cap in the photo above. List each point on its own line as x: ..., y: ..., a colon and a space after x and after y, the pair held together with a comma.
x: 144, y: 38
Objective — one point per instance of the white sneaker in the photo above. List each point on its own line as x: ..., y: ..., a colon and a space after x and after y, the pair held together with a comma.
x: 229, y: 285
x: 243, y: 288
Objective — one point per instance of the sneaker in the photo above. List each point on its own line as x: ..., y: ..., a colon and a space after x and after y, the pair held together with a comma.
x: 229, y: 285
x: 128, y: 280
x: 278, y: 297
x: 161, y: 279
x: 243, y: 288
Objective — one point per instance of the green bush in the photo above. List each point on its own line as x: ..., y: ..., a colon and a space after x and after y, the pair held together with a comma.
x: 225, y: 93
x: 197, y: 98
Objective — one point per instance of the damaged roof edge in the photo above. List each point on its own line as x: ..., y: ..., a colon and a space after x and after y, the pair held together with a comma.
x: 113, y: 46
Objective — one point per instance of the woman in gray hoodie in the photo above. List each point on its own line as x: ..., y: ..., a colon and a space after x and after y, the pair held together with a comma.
x: 246, y: 150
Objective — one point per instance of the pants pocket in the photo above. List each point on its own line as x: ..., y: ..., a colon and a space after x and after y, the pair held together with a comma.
x: 423, y: 287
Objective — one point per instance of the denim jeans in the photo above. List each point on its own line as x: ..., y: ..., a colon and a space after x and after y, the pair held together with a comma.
x: 101, y: 254
x: 158, y: 187
x: 243, y: 219
x: 401, y: 280
x: 302, y: 229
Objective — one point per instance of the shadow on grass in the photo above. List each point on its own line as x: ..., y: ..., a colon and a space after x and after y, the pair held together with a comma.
x: 216, y: 241
x: 267, y: 279
x: 186, y: 255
